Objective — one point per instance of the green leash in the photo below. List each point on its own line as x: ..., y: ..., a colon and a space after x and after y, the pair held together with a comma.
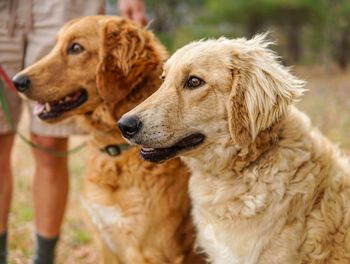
x: 6, y: 110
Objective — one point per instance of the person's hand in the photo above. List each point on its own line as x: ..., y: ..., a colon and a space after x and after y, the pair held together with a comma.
x: 133, y: 9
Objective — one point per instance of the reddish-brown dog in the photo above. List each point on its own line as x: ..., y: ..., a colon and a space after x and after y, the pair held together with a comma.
x: 100, y: 68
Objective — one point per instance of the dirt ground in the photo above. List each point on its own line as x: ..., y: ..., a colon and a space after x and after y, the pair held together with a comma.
x: 327, y: 103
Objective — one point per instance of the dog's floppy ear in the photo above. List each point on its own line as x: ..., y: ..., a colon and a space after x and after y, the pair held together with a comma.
x: 125, y: 56
x: 262, y: 90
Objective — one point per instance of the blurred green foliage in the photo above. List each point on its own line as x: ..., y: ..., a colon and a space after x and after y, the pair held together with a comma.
x: 306, y: 31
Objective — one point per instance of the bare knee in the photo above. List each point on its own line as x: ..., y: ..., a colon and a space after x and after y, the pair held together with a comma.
x: 49, y: 159
x: 56, y: 143
x: 6, y: 143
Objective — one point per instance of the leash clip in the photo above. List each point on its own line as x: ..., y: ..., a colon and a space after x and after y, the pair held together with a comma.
x: 113, y: 150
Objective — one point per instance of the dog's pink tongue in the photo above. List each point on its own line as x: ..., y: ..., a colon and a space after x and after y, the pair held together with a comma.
x: 38, y: 108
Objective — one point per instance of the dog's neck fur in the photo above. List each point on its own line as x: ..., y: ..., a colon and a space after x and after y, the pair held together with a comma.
x: 238, y: 158
x: 103, y: 120
x: 233, y: 191
x: 103, y: 124
x: 138, y: 94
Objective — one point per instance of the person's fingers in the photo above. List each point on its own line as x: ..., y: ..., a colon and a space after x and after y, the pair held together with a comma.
x: 126, y: 12
x: 140, y: 18
x: 133, y: 9
x: 124, y: 8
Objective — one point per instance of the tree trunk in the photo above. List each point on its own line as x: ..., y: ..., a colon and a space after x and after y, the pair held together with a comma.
x: 294, y: 42
x: 253, y: 27
x: 343, y: 49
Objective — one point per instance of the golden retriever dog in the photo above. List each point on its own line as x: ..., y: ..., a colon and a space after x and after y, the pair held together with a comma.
x: 100, y: 68
x: 266, y: 187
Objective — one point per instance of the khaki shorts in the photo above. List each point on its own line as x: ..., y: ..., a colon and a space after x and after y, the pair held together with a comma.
x: 21, y: 47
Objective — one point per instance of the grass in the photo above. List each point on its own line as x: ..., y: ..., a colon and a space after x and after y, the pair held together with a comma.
x: 327, y: 103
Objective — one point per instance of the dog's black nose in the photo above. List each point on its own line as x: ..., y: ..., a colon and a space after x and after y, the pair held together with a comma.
x: 129, y: 126
x: 22, y: 82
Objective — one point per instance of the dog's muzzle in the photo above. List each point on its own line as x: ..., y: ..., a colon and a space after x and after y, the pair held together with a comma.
x: 129, y: 126
x: 21, y: 82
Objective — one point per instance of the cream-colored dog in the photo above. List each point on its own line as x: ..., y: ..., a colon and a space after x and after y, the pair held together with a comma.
x: 266, y: 187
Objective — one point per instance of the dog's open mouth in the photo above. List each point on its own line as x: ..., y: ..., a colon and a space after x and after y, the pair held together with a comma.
x: 163, y: 154
x: 56, y: 108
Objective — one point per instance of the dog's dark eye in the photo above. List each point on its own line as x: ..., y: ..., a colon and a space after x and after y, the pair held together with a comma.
x: 162, y: 77
x: 75, y: 49
x: 193, y: 82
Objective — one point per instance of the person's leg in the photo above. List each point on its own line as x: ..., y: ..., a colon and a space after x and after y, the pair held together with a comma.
x: 50, y: 184
x: 50, y: 190
x: 11, y: 58
x: 51, y: 177
x: 6, y: 142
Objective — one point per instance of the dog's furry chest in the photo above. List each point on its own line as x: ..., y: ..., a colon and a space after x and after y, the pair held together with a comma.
x: 221, y: 211
x: 136, y: 206
x: 238, y: 215
x: 104, y: 218
x: 292, y: 216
